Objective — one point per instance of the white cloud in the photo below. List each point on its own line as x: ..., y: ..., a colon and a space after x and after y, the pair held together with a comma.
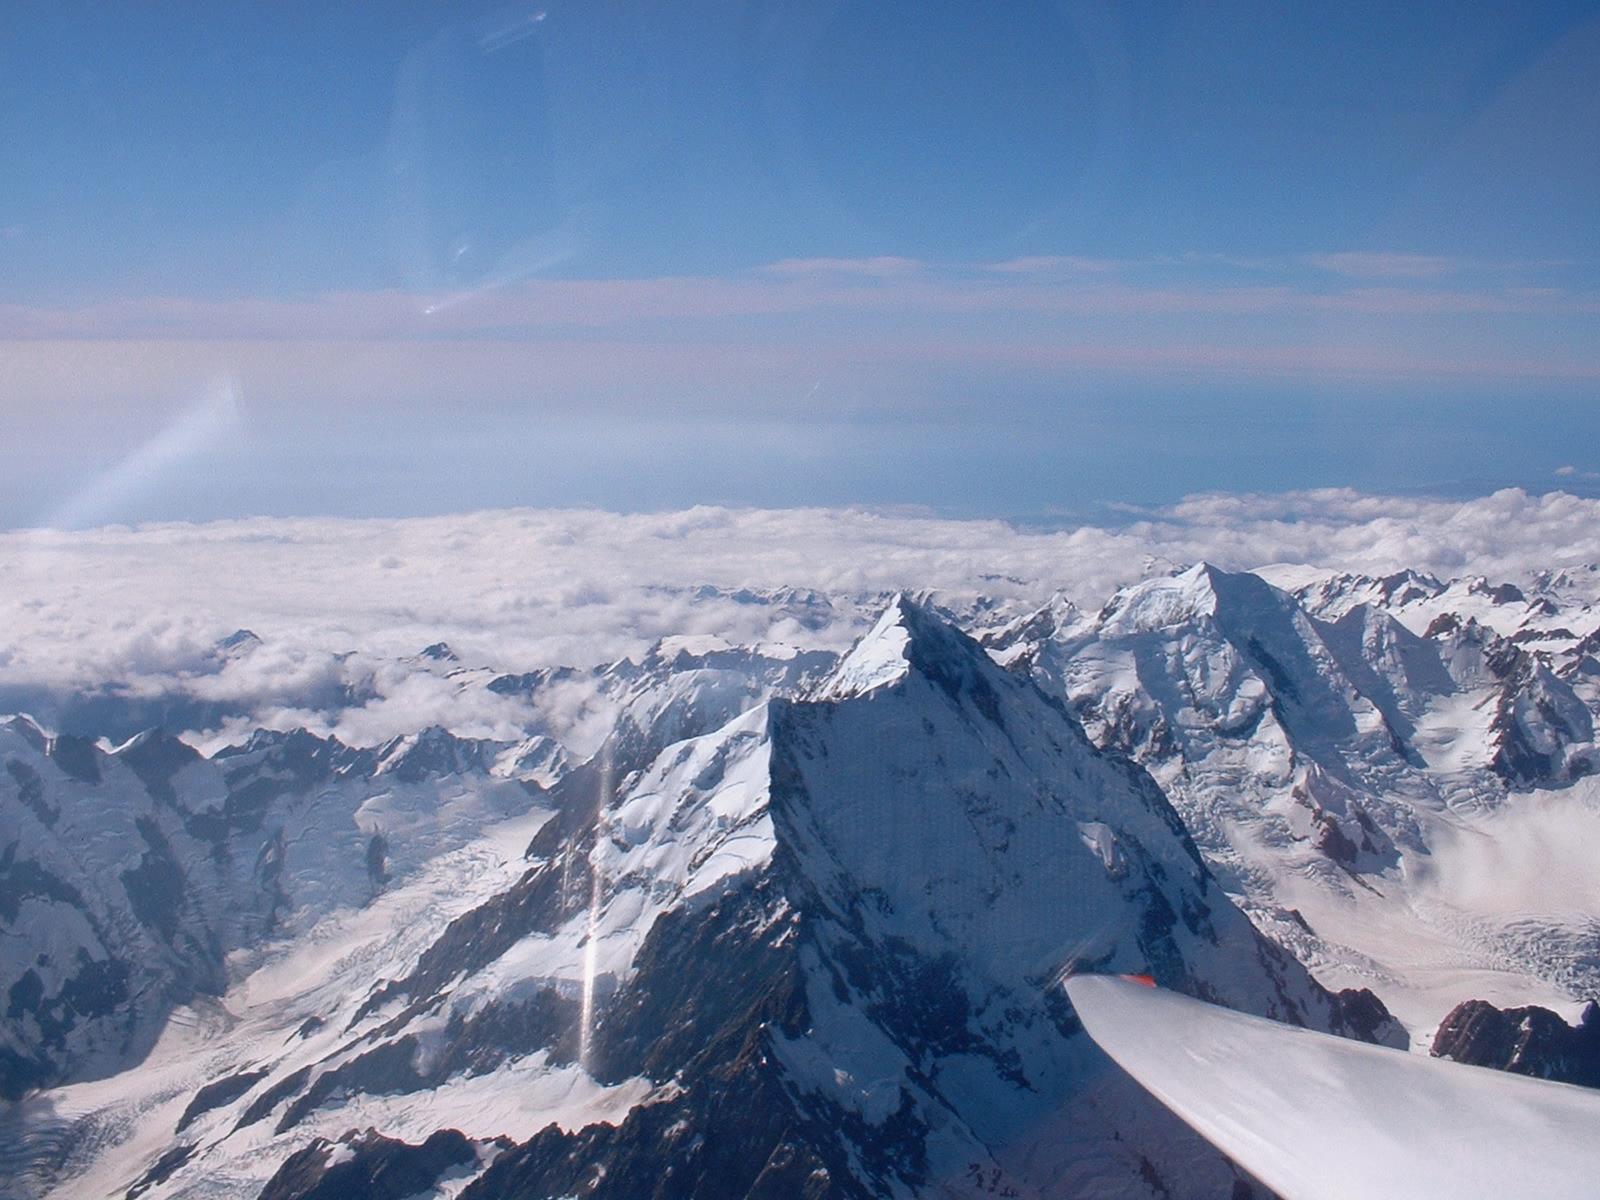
x: 523, y: 588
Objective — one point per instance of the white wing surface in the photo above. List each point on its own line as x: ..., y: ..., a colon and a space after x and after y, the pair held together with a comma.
x: 1325, y: 1118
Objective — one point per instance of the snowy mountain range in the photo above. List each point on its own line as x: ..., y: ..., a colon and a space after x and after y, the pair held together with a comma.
x: 769, y: 919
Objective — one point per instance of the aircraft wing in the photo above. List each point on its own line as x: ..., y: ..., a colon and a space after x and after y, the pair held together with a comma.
x: 1316, y: 1117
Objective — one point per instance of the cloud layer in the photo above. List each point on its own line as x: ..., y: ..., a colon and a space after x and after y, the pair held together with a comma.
x: 523, y: 588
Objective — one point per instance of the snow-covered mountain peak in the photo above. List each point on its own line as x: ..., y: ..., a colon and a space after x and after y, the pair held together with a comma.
x: 681, y: 648
x: 1551, y: 609
x: 1051, y: 620
x: 1160, y: 603
x: 879, y: 658
x: 155, y: 742
x: 237, y: 644
x: 1210, y: 603
x: 1331, y: 596
x: 294, y: 754
x: 414, y: 757
x: 1498, y: 593
x: 29, y: 730
x: 537, y: 759
x: 907, y: 636
x: 1201, y: 591
x: 707, y: 651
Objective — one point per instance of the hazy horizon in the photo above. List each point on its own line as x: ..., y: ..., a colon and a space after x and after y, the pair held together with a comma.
x: 1013, y: 262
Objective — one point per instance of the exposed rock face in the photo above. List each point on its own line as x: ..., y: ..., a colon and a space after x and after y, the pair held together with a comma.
x: 1361, y: 1015
x: 1530, y: 1041
x: 368, y: 1166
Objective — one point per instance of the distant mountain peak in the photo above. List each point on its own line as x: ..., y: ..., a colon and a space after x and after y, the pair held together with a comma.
x: 240, y: 641
x: 29, y: 730
x: 1202, y: 590
x: 434, y: 751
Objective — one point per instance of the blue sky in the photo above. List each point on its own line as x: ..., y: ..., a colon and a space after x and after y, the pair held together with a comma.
x: 1010, y: 259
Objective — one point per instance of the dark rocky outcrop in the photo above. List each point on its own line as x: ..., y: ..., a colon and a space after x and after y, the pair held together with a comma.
x: 1361, y: 1015
x: 218, y: 1093
x: 162, y: 1169
x: 155, y: 757
x: 374, y: 1167
x: 1529, y: 1041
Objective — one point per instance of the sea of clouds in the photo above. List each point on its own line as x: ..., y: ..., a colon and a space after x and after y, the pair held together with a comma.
x: 144, y: 607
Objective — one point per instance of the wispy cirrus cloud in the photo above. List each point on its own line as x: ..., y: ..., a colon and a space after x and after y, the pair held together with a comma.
x: 1368, y: 264
x: 1055, y: 264
x: 878, y: 267
x: 731, y: 343
x: 903, y: 288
